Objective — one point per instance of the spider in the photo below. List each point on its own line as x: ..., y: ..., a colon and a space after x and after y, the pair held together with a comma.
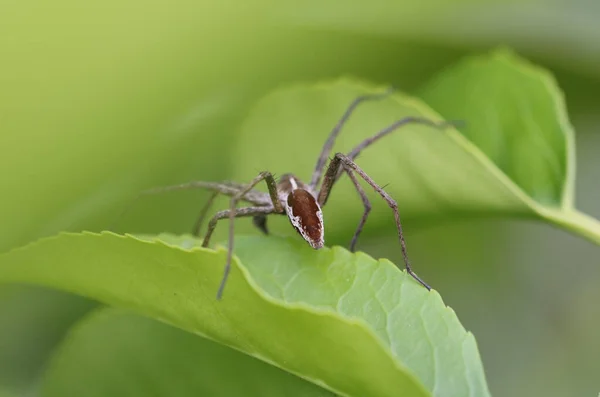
x: 302, y: 202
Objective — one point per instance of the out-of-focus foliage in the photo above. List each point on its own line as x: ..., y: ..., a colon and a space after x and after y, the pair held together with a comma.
x: 110, y: 343
x: 99, y: 100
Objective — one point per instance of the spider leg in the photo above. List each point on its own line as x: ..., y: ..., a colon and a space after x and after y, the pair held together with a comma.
x: 314, y: 182
x: 231, y: 214
x: 326, y: 190
x: 203, y: 212
x: 260, y: 221
x: 393, y: 127
x: 226, y: 188
x: 239, y: 212
x: 367, y: 207
x: 350, y: 166
x: 275, y: 207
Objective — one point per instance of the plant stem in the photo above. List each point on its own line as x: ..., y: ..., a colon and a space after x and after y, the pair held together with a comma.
x: 575, y: 221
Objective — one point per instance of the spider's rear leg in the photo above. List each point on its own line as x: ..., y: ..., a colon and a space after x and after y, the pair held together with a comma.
x: 341, y: 160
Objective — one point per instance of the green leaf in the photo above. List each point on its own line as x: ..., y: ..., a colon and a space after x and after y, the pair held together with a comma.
x: 516, y: 116
x: 115, y: 353
x: 356, y: 326
x: 513, y: 158
x: 33, y: 322
x: 6, y: 393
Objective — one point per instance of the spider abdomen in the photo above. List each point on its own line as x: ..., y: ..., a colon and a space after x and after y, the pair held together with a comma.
x: 303, y: 210
x: 306, y: 217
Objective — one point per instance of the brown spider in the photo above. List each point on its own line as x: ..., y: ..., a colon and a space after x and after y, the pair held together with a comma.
x: 302, y: 202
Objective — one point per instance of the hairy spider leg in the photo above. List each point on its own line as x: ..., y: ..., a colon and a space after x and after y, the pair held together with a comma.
x: 276, y: 208
x: 256, y: 198
x: 395, y: 126
x: 212, y: 224
x: 350, y: 166
x: 314, y: 182
x: 366, y: 205
x: 226, y: 188
x: 203, y: 212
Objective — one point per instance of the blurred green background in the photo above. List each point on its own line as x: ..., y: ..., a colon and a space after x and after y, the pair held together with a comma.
x: 101, y: 100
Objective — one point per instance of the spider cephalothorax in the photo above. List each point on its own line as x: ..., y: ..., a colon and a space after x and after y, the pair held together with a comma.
x: 302, y: 202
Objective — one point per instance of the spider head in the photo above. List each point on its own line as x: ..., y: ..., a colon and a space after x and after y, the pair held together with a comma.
x: 306, y: 216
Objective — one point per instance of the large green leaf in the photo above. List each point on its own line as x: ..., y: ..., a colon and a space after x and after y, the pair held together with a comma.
x: 345, y: 321
x: 516, y: 116
x: 33, y: 321
x: 5, y: 393
x: 115, y: 353
x: 514, y: 157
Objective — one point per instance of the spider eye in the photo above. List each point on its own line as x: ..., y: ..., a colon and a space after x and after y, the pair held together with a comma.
x: 306, y: 217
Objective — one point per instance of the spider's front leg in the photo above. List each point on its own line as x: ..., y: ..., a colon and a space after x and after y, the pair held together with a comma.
x: 350, y: 167
x: 212, y: 224
x: 239, y: 212
x: 331, y: 175
x: 233, y: 212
